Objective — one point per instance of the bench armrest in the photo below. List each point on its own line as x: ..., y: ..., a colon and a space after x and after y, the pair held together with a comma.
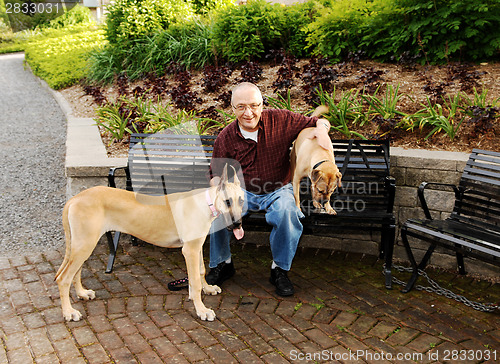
x: 421, y: 196
x: 111, y: 176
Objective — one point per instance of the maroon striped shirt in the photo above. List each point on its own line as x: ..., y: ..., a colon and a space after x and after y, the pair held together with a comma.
x: 266, y: 164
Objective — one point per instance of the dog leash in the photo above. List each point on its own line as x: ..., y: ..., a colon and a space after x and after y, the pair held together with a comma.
x: 178, y: 284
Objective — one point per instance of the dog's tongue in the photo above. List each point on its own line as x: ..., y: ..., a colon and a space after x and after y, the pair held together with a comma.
x: 238, y: 233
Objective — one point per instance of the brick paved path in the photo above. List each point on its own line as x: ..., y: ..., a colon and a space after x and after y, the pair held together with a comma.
x: 340, y: 309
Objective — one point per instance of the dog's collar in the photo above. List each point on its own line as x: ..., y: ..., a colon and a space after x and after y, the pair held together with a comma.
x: 320, y: 163
x: 215, y: 213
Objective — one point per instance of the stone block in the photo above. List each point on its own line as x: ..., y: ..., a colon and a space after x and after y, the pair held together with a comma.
x: 439, y: 201
x: 406, y: 196
x: 399, y: 174
x: 415, y: 176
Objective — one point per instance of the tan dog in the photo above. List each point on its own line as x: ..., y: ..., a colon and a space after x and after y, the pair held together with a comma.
x: 309, y: 159
x: 176, y: 220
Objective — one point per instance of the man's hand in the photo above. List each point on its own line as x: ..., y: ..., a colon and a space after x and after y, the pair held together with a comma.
x: 321, y: 133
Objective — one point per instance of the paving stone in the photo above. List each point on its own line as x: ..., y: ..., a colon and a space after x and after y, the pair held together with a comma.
x: 164, y: 348
x: 84, y: 336
x: 12, y: 325
x: 319, y: 338
x: 122, y: 356
x: 261, y: 327
x: 383, y: 329
x: 47, y: 359
x: 282, y: 346
x: 237, y: 326
x: 57, y: 331
x: 273, y: 358
x: 110, y: 340
x: 149, y: 357
x: 33, y: 320
x: 219, y: 354
x: 423, y: 343
x: 230, y: 341
x: 124, y: 326
x: 95, y: 354
x: 154, y: 303
x: 100, y: 323
x: 161, y: 318
x: 66, y: 350
x: 402, y: 336
x: 285, y: 329
x: 350, y: 342
x: 15, y: 341
x: 192, y: 351
x: 258, y: 344
x: 39, y: 342
x: 136, y: 343
x: 21, y: 355
x: 175, y: 334
x: 247, y: 356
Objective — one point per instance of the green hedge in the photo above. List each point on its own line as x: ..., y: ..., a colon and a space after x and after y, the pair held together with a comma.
x: 251, y: 31
x: 437, y: 30
x: 128, y: 20
x: 61, y: 57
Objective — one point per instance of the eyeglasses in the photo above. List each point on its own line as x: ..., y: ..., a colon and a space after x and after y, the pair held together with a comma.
x: 242, y: 108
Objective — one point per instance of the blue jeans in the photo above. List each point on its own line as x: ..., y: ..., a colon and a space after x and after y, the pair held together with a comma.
x: 281, y: 213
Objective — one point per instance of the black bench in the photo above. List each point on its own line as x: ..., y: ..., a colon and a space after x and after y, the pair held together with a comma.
x: 473, y: 228
x: 166, y: 163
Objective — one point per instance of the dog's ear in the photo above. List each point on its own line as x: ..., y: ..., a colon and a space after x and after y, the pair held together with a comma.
x: 223, y: 178
x: 236, y: 180
x: 315, y: 175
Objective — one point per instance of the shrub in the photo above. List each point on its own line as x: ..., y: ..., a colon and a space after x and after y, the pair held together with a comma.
x: 61, y: 59
x: 132, y: 19
x: 293, y: 25
x: 187, y: 44
x: 249, y: 31
x: 205, y: 6
x: 336, y: 32
x: 437, y: 30
x: 450, y: 29
x: 77, y: 15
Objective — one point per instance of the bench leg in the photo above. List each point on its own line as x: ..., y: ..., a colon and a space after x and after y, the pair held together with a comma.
x: 460, y: 262
x: 113, y: 247
x: 388, y: 236
x: 411, y: 257
x: 420, y: 266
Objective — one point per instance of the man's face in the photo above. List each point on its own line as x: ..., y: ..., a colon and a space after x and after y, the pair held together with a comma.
x: 247, y: 105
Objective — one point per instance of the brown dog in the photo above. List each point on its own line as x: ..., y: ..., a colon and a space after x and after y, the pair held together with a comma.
x: 309, y: 159
x: 176, y: 220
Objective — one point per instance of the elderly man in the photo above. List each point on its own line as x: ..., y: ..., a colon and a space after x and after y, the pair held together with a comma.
x: 260, y: 141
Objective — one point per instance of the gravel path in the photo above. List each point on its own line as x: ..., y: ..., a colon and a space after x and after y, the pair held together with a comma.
x: 32, y: 181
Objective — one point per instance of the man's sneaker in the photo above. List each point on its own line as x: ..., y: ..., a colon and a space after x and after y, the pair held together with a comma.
x: 219, y: 274
x: 279, y: 278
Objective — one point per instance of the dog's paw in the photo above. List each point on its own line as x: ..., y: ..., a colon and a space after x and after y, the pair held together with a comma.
x: 330, y: 211
x: 72, y: 315
x: 206, y: 315
x: 86, y: 295
x: 212, y: 290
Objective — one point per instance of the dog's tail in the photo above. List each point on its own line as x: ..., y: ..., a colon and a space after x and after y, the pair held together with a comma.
x: 67, y: 234
x: 320, y: 110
